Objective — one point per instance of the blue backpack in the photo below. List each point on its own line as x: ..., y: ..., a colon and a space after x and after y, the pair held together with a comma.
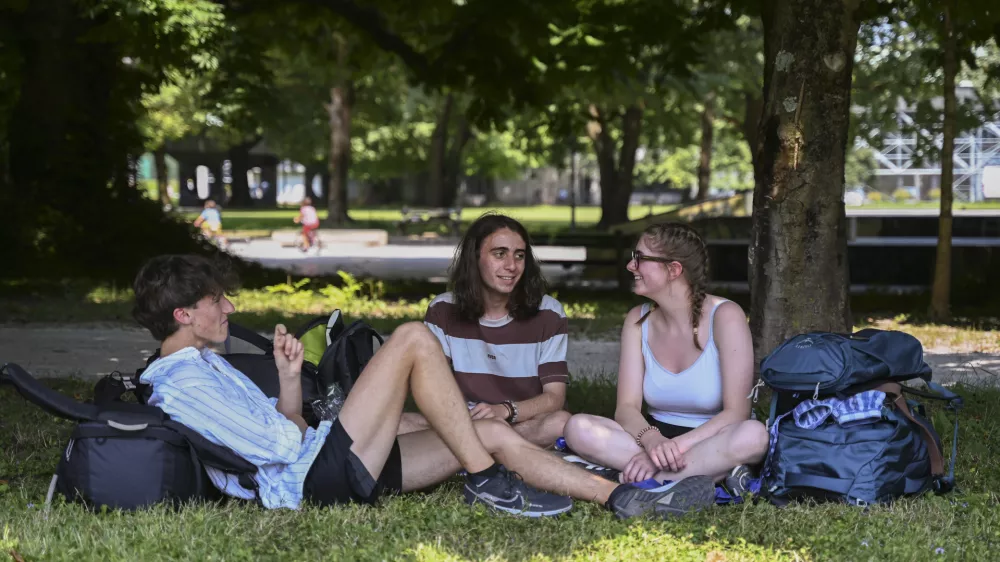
x: 842, y: 429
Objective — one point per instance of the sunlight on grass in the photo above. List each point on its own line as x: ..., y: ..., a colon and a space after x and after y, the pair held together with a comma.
x: 539, y: 216
x: 637, y: 543
x: 592, y: 316
x: 438, y: 525
x: 963, y: 335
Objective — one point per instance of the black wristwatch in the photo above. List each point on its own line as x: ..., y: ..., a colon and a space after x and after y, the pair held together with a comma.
x: 512, y: 418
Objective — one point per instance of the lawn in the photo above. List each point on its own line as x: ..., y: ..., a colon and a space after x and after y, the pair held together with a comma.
x: 592, y: 315
x: 540, y: 218
x: 438, y: 526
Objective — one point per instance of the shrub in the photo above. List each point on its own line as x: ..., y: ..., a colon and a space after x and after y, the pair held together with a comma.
x: 934, y: 194
x: 874, y: 197
x: 902, y: 195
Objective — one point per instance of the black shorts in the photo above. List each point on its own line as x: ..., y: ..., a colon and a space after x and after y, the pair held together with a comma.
x: 338, y: 475
x: 669, y: 430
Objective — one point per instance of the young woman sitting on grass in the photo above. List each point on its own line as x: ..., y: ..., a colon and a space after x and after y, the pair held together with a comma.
x: 689, y: 356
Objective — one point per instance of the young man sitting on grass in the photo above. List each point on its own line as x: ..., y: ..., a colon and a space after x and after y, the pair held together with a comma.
x: 504, y: 337
x: 358, y: 457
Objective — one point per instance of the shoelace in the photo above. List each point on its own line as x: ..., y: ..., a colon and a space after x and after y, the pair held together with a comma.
x: 510, y: 478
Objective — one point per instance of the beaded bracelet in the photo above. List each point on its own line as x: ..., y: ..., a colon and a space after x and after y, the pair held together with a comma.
x: 638, y: 437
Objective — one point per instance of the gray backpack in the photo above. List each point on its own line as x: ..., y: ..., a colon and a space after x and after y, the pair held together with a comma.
x: 841, y: 426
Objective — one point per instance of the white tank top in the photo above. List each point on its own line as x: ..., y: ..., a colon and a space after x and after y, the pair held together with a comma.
x: 691, y: 397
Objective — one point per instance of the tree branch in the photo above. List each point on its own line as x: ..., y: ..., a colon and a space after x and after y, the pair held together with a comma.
x: 371, y: 22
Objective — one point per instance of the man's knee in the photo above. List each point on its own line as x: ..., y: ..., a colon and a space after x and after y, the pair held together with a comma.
x: 416, y: 336
x: 495, y: 434
x: 555, y: 423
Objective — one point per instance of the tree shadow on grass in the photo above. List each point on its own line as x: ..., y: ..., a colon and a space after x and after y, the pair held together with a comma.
x: 438, y: 525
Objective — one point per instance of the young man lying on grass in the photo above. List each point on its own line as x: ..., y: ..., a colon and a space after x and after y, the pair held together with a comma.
x: 358, y: 457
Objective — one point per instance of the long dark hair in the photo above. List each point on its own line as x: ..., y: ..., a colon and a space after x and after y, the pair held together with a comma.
x: 467, y: 284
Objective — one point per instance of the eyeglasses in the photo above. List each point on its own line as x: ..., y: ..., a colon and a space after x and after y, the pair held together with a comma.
x: 638, y: 256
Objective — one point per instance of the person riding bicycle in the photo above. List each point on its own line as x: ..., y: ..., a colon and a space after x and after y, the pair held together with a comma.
x: 210, y: 222
x: 309, y: 220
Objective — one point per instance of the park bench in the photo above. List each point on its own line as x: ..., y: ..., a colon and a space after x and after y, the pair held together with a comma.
x: 450, y: 218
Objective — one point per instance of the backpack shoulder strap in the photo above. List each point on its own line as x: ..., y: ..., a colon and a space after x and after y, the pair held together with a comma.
x: 895, y: 392
x: 249, y: 336
x: 55, y: 403
x: 210, y: 454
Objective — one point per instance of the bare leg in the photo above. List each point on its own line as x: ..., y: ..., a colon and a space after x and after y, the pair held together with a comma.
x: 427, y: 460
x: 600, y: 440
x: 745, y: 442
x: 411, y: 359
x: 545, y: 429
x: 605, y: 442
x: 410, y: 422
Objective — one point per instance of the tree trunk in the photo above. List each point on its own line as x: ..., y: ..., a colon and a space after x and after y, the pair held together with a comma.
x: 453, y: 162
x: 162, y: 181
x: 439, y: 146
x: 339, y: 111
x: 798, y: 253
x: 616, y: 179
x: 239, y: 162
x: 707, y: 132
x: 941, y: 291
x: 604, y: 151
x: 753, y: 108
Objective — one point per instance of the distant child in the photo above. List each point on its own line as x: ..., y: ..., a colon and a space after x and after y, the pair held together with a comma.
x: 309, y: 220
x: 210, y: 222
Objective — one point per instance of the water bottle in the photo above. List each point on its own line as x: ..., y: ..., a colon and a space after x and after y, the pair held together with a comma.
x: 328, y: 408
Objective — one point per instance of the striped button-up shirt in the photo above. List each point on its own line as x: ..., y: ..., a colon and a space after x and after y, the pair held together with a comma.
x: 204, y: 392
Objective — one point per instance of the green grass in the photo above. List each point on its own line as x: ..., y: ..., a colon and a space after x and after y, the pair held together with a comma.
x: 593, y: 315
x: 384, y: 306
x: 543, y: 218
x: 437, y: 525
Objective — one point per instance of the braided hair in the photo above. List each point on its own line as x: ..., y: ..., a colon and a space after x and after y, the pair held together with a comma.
x: 684, y: 245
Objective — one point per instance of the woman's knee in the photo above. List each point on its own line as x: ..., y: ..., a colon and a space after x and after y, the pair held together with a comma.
x: 749, y: 441
x: 581, y: 430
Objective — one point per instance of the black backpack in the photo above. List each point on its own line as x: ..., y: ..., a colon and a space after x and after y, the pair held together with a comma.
x: 127, y: 455
x: 865, y: 462
x: 348, y: 351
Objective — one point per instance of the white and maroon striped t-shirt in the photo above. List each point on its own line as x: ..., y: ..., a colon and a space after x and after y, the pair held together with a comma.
x: 505, y: 359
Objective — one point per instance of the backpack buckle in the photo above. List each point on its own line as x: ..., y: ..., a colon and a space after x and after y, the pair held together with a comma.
x: 943, y: 485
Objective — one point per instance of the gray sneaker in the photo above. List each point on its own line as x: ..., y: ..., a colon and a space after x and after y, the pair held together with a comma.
x: 737, y: 482
x: 507, y: 492
x: 676, y: 498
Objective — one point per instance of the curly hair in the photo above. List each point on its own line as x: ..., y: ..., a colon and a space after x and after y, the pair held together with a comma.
x: 466, y: 283
x: 683, y: 244
x: 168, y: 282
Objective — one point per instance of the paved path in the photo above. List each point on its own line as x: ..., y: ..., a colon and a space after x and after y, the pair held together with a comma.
x: 391, y: 261
x: 95, y: 350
